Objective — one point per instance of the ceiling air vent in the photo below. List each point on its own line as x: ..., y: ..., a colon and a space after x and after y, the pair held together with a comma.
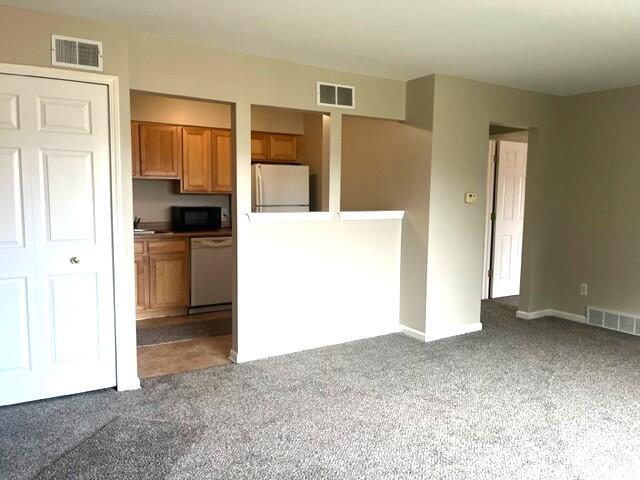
x: 76, y: 52
x: 332, y: 95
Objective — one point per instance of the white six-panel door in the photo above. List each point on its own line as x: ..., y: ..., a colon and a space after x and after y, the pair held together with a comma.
x: 509, y: 222
x: 56, y: 270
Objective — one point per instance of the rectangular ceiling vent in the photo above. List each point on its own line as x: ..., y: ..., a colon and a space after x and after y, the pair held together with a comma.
x: 332, y: 95
x: 76, y: 52
x: 611, y: 320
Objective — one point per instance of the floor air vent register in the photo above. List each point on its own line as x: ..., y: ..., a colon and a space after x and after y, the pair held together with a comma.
x: 610, y: 320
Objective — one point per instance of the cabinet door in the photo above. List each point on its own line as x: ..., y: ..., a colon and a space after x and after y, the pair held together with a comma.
x: 142, y: 283
x: 168, y: 285
x: 160, y: 151
x: 135, y: 149
x: 259, y: 146
x: 222, y: 161
x: 283, y: 148
x: 196, y: 160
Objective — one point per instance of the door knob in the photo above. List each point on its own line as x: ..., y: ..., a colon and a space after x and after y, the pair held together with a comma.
x: 74, y: 260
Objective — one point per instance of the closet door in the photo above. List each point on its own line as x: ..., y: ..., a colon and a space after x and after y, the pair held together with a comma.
x: 56, y: 278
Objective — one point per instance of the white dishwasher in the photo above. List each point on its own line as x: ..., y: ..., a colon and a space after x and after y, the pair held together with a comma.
x: 211, y: 271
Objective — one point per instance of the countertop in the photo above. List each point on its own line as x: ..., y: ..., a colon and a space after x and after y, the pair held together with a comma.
x: 222, y: 232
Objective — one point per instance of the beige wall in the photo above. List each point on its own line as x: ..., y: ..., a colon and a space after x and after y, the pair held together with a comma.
x: 146, y: 107
x: 596, y: 228
x: 521, y: 136
x: 149, y: 107
x: 459, y: 112
x: 277, y: 120
x: 248, y: 80
x: 151, y: 63
x: 316, y: 154
x: 385, y: 166
x: 194, y: 71
x: 153, y: 199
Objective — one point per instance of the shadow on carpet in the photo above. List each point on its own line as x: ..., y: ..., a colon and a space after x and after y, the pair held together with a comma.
x: 127, y: 448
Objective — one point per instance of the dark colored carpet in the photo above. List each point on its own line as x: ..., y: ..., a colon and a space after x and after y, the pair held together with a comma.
x: 542, y: 399
x: 187, y: 331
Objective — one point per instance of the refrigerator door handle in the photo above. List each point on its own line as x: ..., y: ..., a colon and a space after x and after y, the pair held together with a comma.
x: 258, y: 186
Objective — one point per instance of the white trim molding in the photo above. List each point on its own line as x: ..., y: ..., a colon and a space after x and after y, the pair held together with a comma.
x: 549, y: 312
x: 372, y: 215
x: 412, y: 332
x: 233, y: 356
x: 452, y: 331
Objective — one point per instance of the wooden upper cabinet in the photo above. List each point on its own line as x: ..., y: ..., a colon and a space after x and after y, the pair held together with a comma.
x: 221, y: 161
x: 135, y: 148
x: 197, y: 176
x: 160, y: 151
x: 259, y: 146
x: 283, y: 148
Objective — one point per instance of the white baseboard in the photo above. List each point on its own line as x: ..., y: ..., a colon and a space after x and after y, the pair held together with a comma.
x: 453, y: 331
x: 412, y: 332
x: 551, y: 313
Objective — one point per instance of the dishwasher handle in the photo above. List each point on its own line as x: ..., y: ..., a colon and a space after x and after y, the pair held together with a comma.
x: 211, y: 242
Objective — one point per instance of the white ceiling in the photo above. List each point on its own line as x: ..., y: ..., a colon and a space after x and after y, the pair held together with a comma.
x: 553, y: 46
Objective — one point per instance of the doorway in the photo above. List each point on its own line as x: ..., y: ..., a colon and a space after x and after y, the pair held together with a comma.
x: 183, y: 241
x: 506, y: 185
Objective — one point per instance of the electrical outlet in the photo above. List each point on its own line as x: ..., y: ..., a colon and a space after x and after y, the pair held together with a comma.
x: 584, y: 288
x: 470, y: 197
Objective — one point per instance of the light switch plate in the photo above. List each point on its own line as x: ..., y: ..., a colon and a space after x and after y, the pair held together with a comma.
x: 470, y: 197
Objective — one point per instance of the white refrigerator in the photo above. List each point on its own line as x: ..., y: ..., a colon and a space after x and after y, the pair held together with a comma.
x: 279, y: 188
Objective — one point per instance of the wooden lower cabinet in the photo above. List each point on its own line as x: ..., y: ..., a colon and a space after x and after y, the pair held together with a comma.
x: 162, y: 277
x: 167, y: 280
x: 142, y: 283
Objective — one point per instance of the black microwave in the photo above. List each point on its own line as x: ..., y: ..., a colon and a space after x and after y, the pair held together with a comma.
x: 185, y: 219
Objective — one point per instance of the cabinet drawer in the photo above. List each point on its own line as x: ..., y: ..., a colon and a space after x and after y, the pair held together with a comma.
x: 138, y: 247
x: 167, y: 246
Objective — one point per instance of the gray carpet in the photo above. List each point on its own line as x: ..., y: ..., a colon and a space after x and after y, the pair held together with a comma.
x: 511, y: 301
x: 543, y: 399
x: 186, y: 331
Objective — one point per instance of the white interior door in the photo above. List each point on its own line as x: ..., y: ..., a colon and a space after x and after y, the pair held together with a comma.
x: 488, y: 223
x: 56, y: 271
x: 509, y: 214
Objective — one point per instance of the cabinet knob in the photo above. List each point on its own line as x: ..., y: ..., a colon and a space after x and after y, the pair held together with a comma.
x: 74, y: 260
